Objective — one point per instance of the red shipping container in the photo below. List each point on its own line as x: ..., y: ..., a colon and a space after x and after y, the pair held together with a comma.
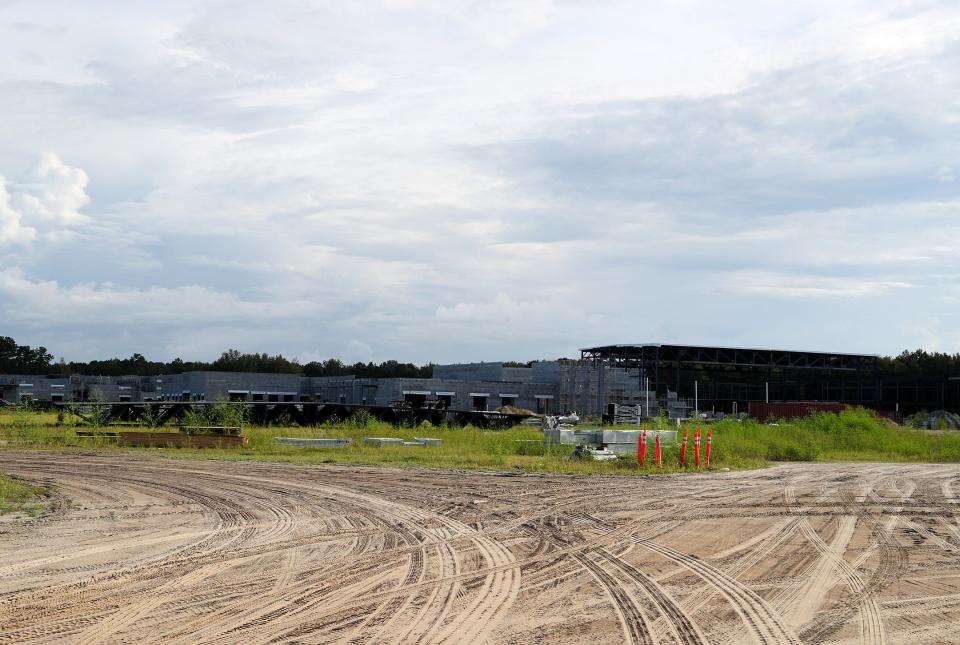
x: 792, y: 409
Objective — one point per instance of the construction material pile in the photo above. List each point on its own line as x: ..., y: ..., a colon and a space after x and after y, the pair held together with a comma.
x: 942, y: 420
x: 511, y: 409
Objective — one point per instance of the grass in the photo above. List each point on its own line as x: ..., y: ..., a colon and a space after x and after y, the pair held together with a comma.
x: 853, y: 435
x: 16, y: 495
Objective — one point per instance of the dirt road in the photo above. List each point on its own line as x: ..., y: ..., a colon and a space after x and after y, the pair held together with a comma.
x: 145, y: 549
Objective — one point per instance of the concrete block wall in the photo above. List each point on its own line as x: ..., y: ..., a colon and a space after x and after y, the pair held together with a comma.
x: 38, y: 388
x: 212, y: 386
x: 588, y: 389
x: 539, y: 372
x: 521, y: 394
x: 469, y: 372
x: 341, y: 389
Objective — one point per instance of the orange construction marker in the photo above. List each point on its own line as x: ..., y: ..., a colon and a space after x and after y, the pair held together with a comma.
x: 696, y: 448
x: 709, y: 441
x: 642, y: 448
x: 683, y: 449
x: 657, y: 453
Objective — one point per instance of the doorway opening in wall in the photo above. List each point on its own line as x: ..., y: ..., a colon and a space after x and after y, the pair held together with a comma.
x: 415, y: 399
x: 480, y: 402
x: 543, y: 405
x: 273, y: 398
x: 124, y: 398
x: 444, y: 400
x: 237, y: 395
x: 256, y: 396
x: 56, y: 398
x: 288, y: 398
x: 508, y: 399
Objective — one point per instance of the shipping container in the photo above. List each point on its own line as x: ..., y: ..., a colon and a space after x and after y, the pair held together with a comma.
x: 792, y: 409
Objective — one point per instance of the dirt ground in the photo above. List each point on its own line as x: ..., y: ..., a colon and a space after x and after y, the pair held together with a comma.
x: 142, y: 549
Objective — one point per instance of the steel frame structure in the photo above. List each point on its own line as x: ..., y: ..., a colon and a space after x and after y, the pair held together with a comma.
x: 647, y: 355
x: 742, y: 375
x: 728, y: 375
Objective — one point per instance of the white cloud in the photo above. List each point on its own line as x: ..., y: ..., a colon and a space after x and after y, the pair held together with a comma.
x: 456, y: 180
x: 47, y: 303
x: 12, y: 230
x: 358, y: 352
x: 55, y: 192
x: 798, y: 286
x: 48, y: 202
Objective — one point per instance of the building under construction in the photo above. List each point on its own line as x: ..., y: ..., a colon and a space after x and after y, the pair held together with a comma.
x: 650, y: 379
x: 728, y: 379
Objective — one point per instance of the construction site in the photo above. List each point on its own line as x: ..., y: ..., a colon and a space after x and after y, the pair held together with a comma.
x: 565, y: 502
x: 605, y: 382
x: 141, y: 548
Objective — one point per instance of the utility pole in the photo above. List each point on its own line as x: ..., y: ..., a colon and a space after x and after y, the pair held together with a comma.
x: 696, y: 398
x: 646, y: 394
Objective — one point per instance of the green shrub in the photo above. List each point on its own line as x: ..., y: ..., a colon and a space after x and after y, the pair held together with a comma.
x: 212, y: 418
x: 361, y: 418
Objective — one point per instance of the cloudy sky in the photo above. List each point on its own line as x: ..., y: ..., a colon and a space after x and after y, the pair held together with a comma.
x: 441, y: 180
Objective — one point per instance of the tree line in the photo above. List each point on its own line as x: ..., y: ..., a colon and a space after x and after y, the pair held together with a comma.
x: 23, y: 359
x: 920, y: 361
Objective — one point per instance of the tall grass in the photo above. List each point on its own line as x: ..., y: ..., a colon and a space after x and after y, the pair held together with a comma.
x: 16, y: 495
x: 853, y: 435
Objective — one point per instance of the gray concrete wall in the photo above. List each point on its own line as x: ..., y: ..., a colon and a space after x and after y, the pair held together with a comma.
x: 521, y: 394
x: 588, y: 389
x: 38, y: 388
x: 341, y: 389
x: 535, y: 388
x: 212, y: 386
x: 540, y: 372
x: 73, y: 388
x: 469, y: 372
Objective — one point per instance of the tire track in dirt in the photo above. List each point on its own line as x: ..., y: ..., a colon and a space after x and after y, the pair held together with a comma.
x: 686, y: 631
x: 268, y: 552
x: 765, y: 625
x: 810, y: 596
x: 863, y: 599
x: 635, y: 625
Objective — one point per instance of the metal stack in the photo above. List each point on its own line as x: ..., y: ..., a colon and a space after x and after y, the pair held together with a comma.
x: 625, y: 442
x: 314, y: 442
x: 627, y: 415
x: 621, y: 442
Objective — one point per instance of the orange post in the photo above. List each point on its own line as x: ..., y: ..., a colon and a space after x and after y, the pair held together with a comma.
x: 642, y: 448
x: 683, y: 449
x: 696, y: 448
x: 709, y: 442
x: 657, y: 453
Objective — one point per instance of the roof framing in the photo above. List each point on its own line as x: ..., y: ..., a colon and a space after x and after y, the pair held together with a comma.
x: 704, y: 357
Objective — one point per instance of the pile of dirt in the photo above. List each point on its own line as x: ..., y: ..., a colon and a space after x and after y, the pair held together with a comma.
x: 510, y: 409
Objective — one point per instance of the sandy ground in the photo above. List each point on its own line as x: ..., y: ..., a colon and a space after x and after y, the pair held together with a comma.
x: 146, y: 550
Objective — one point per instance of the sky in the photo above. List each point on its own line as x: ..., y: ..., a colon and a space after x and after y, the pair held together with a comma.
x: 463, y: 180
